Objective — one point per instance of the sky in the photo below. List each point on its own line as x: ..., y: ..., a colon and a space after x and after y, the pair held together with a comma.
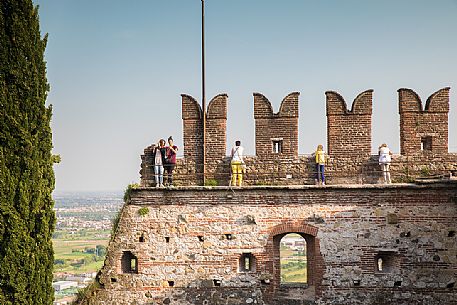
x: 117, y: 70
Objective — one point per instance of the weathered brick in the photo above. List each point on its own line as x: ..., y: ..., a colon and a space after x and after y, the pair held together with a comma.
x: 346, y: 228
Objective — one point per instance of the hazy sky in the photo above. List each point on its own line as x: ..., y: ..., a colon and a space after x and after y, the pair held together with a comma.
x: 117, y: 69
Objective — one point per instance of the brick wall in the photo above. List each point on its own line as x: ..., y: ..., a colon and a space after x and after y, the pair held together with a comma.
x: 349, y: 141
x: 419, y: 124
x: 349, y: 131
x: 186, y: 257
x: 303, y: 171
x: 216, y: 134
x: 192, y: 115
x: 216, y: 129
x: 281, y: 127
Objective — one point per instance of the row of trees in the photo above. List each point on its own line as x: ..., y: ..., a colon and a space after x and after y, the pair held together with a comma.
x: 26, y: 174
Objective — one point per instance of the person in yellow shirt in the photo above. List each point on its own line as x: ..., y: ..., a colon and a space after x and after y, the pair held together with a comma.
x: 320, y: 164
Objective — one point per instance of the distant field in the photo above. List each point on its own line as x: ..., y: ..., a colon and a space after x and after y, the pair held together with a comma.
x: 293, y: 266
x: 76, y: 260
x: 295, y: 274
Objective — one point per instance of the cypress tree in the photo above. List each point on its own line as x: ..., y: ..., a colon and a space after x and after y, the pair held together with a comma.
x: 26, y: 174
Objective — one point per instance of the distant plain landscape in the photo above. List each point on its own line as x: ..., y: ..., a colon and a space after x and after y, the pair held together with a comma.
x: 83, y: 229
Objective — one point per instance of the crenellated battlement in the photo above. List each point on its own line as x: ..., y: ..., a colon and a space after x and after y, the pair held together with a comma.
x: 423, y: 139
x: 264, y: 110
x: 349, y: 131
x: 276, y: 134
x: 423, y: 129
x: 409, y: 101
x: 363, y: 243
x: 362, y: 104
x: 216, y: 132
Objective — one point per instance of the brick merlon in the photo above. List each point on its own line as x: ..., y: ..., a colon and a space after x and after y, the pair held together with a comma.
x: 191, y: 109
x: 336, y: 105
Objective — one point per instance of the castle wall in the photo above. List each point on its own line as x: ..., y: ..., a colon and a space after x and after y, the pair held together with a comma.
x: 280, y: 128
x: 348, y: 141
x: 189, y: 241
x: 216, y: 134
x: 428, y: 125
x: 303, y: 171
x: 192, y: 115
x: 349, y: 131
x: 216, y: 129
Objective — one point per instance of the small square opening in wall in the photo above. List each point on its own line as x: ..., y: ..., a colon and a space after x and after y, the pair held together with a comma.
x: 171, y: 283
x: 277, y: 145
x: 129, y: 262
x: 247, y: 262
x: 426, y: 143
x: 217, y: 283
x: 385, y: 262
x: 141, y: 239
x: 167, y: 239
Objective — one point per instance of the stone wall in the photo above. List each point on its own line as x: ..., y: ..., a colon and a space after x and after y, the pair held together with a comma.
x: 183, y: 246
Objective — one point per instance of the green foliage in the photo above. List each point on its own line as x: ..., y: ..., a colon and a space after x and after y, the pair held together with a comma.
x: 100, y: 250
x: 116, y: 220
x: 425, y: 171
x: 85, y: 293
x: 26, y: 175
x: 143, y: 211
x: 211, y: 182
x: 128, y: 191
x: 56, y: 159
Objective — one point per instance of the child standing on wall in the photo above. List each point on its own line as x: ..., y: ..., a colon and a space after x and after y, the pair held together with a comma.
x: 384, y: 161
x: 237, y: 164
x: 320, y: 164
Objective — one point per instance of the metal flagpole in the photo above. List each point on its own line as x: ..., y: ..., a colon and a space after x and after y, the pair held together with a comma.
x: 203, y: 91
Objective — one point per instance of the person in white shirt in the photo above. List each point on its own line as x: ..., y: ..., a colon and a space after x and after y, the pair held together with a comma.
x: 237, y: 164
x: 384, y: 161
x: 159, y: 162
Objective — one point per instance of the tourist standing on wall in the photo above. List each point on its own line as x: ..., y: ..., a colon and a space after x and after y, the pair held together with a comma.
x: 237, y: 164
x: 384, y: 161
x: 171, y: 160
x: 320, y: 164
x: 160, y: 153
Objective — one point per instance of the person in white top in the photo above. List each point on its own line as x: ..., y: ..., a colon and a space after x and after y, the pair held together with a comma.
x: 237, y: 164
x: 159, y: 162
x: 384, y: 161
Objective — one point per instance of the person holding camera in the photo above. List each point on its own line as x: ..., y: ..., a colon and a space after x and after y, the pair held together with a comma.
x: 171, y: 160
